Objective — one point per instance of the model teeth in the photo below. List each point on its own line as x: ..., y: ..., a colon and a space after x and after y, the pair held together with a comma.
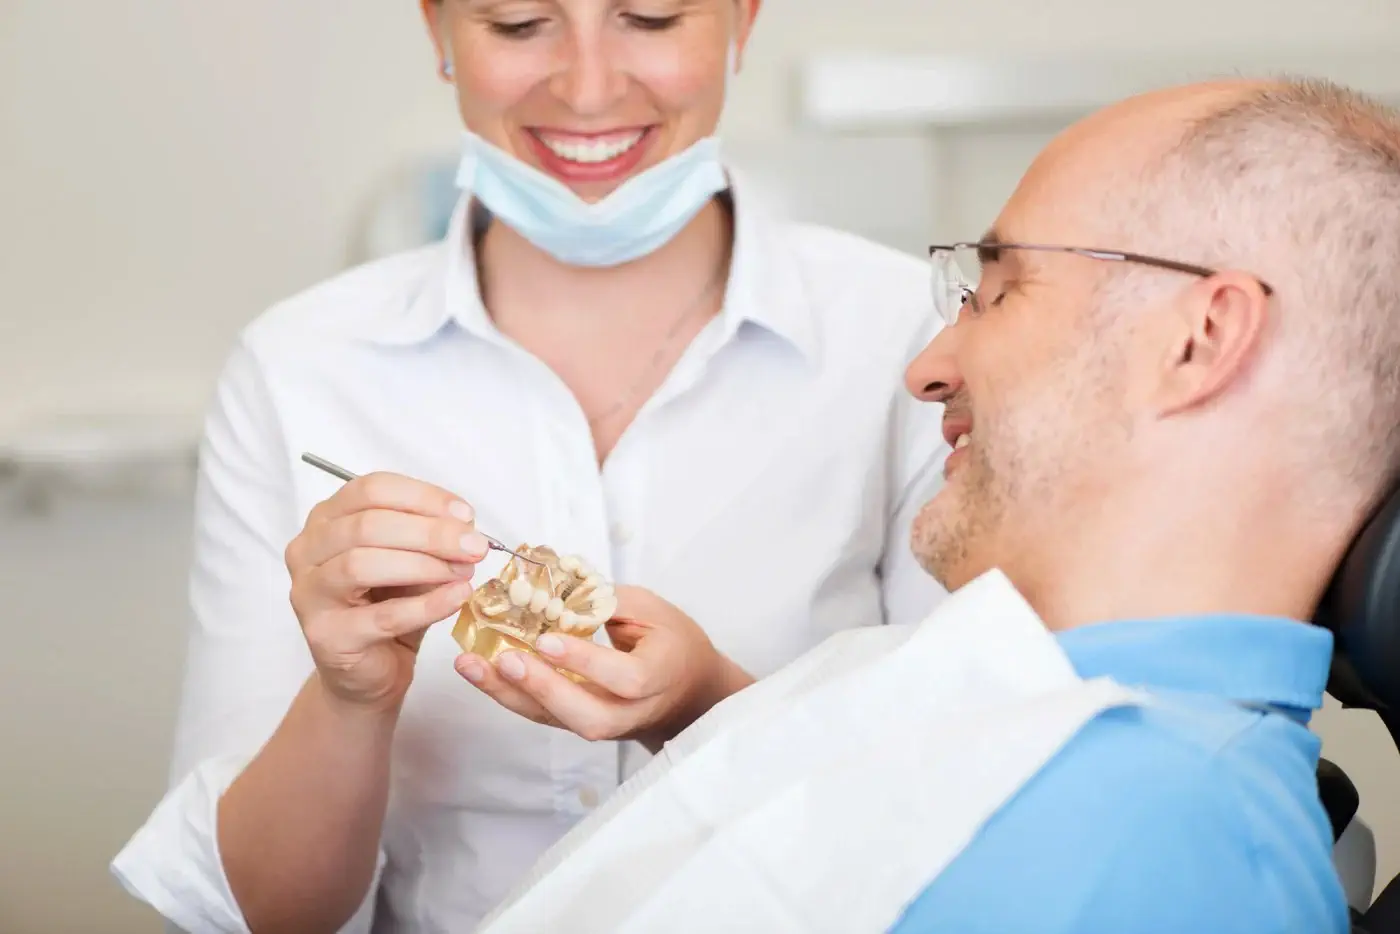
x: 538, y: 591
x: 520, y: 592
x: 591, y: 152
x: 963, y: 441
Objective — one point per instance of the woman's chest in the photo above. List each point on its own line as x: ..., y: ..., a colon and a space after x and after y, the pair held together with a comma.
x: 757, y: 505
x: 751, y: 482
x: 611, y: 369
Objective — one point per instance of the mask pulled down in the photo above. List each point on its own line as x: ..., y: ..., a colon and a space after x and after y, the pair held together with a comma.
x: 640, y: 217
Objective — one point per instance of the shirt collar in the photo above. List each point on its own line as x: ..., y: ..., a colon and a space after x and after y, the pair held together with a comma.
x: 1256, y: 660
x: 765, y: 286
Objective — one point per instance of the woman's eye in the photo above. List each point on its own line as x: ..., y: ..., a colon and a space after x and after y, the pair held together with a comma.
x: 517, y: 30
x: 651, y: 23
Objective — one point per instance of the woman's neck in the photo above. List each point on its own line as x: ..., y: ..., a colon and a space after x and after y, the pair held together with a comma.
x: 519, y: 281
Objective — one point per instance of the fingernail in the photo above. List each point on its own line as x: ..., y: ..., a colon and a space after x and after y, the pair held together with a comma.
x: 463, y: 570
x: 550, y: 644
x: 474, y: 543
x: 472, y: 671
x: 511, y: 665
x: 463, y: 511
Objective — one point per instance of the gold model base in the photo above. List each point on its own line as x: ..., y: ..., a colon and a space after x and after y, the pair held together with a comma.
x: 528, y: 598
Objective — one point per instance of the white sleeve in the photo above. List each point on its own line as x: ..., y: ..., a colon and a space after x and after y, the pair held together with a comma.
x: 916, y: 456
x: 246, y: 659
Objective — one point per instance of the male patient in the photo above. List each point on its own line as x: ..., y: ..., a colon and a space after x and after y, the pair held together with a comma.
x: 1166, y: 452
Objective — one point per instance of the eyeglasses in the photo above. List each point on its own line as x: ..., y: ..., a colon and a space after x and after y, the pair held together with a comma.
x: 957, y: 269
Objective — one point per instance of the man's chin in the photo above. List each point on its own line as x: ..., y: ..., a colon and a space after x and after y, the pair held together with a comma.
x: 946, y: 562
x: 953, y: 576
x: 943, y: 549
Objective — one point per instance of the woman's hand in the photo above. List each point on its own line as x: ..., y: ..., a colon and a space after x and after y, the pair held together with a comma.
x: 376, y: 565
x: 660, y: 675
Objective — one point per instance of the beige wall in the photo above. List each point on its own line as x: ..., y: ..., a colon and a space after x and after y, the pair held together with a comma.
x: 168, y: 168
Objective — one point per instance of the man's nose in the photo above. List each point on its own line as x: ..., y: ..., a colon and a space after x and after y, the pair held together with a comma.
x: 587, y: 77
x: 933, y: 375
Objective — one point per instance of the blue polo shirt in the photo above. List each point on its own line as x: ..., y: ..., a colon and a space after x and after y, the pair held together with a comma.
x: 1197, y: 815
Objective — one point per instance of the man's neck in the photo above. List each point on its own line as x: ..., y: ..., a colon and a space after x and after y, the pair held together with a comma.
x: 1186, y: 564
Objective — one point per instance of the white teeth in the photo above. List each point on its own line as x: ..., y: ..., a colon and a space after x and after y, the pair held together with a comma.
x: 963, y: 441
x: 591, y: 151
x: 604, y: 607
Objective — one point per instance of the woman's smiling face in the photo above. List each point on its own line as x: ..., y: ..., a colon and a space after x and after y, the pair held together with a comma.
x: 591, y: 92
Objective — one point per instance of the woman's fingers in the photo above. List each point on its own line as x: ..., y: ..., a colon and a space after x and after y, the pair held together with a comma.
x: 411, y: 615
x: 353, y: 572
x: 584, y: 710
x: 395, y: 492
x: 399, y: 618
x: 616, y: 672
x: 447, y: 538
x: 484, y: 676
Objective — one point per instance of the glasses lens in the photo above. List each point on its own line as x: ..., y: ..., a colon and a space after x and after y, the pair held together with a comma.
x: 952, y: 286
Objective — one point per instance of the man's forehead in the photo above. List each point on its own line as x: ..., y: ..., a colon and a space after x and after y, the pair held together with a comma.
x: 1076, y: 190
x: 1070, y: 192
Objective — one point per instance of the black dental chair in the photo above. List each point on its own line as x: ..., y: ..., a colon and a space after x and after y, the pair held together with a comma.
x: 1362, y: 609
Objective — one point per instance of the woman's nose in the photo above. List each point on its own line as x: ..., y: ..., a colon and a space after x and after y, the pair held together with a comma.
x: 934, y: 375
x: 589, y: 80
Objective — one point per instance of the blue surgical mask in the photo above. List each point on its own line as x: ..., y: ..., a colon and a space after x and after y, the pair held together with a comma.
x: 641, y: 216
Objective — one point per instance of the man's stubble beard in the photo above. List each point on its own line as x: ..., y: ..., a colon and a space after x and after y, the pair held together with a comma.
x: 961, y: 520
x: 1031, y: 470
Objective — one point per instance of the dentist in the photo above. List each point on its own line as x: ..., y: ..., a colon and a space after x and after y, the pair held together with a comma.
x: 617, y: 351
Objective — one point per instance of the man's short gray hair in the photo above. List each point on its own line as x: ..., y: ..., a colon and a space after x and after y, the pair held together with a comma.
x: 1302, y: 179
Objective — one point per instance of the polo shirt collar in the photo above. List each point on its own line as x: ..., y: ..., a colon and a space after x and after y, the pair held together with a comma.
x: 1251, y: 660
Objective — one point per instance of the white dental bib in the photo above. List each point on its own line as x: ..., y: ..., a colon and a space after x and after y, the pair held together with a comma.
x: 826, y: 797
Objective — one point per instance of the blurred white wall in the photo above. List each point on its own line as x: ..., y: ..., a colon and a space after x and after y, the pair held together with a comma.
x: 168, y: 169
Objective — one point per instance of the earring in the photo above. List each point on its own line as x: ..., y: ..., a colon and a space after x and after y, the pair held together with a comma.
x: 447, y: 70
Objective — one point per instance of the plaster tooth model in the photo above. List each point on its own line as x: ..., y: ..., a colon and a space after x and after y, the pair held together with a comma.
x: 513, y: 609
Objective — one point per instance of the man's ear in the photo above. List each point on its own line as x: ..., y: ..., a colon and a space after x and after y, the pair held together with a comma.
x: 1214, y: 331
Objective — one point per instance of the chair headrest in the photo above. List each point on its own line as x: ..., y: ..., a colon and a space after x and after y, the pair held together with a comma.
x: 1362, y: 609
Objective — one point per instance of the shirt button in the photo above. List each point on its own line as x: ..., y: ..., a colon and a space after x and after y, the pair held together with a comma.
x: 588, y: 797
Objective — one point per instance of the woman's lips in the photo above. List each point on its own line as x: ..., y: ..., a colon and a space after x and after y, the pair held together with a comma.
x: 591, y: 158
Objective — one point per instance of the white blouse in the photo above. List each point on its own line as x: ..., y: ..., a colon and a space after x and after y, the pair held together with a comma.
x: 767, y: 489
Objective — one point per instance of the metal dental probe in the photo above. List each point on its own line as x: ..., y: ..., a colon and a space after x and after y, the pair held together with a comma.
x: 336, y: 470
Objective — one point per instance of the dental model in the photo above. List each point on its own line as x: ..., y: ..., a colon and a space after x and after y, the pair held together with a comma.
x: 526, y: 600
